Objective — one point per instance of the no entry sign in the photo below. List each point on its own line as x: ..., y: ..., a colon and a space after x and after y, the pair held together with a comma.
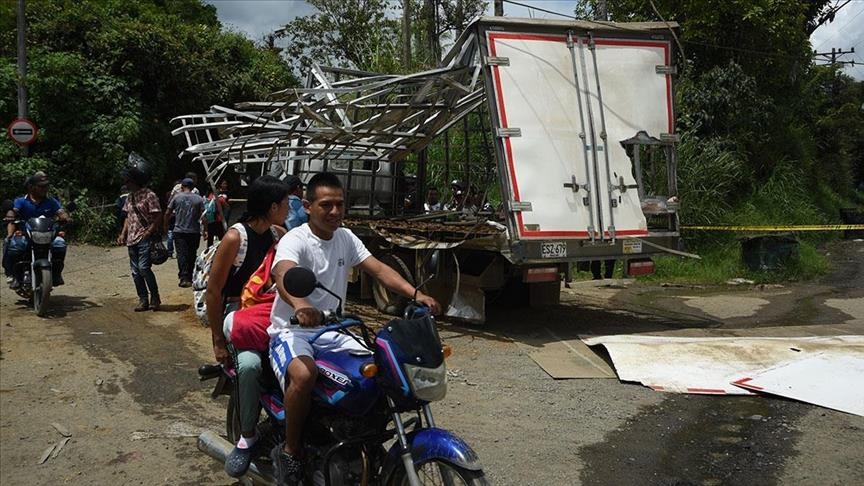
x: 22, y: 131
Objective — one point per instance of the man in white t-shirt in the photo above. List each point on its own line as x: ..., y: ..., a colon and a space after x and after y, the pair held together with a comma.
x: 330, y: 251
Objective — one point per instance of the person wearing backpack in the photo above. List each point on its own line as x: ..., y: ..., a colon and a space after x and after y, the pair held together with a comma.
x: 214, y: 214
x: 237, y: 257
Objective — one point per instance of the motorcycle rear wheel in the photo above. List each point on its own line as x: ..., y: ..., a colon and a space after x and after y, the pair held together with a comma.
x: 41, y: 290
x: 437, y: 472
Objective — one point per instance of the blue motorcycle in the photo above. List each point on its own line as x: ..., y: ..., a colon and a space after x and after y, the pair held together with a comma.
x: 363, y: 402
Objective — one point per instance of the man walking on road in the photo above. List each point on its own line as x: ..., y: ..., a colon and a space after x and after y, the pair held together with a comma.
x: 187, y: 209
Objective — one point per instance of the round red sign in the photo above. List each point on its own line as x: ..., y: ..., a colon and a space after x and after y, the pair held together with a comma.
x: 22, y: 131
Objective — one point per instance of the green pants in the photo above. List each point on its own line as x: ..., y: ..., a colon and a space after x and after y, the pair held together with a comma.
x: 248, y: 366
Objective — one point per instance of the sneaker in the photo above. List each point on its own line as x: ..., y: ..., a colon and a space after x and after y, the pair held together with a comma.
x: 237, y: 462
x: 185, y: 284
x: 142, y: 306
x: 14, y: 284
x: 287, y: 468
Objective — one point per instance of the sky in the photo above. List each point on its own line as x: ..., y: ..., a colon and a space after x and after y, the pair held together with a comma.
x: 258, y: 17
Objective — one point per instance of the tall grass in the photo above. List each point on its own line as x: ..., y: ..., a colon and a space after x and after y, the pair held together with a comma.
x: 718, y: 185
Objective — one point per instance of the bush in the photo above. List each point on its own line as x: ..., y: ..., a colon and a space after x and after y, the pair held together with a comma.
x: 95, y: 220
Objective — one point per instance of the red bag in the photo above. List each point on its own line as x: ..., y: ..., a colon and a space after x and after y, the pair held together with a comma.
x: 251, y: 321
x: 257, y: 288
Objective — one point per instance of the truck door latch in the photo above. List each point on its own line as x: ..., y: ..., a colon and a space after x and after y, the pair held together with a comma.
x: 573, y: 185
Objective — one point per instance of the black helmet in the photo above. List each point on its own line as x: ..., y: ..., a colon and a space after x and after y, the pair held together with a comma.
x: 458, y: 185
x: 138, y: 170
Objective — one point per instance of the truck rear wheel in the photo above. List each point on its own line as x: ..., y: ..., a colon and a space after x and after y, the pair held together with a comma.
x: 386, y: 300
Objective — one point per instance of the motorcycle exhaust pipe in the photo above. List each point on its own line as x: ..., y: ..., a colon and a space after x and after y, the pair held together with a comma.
x: 213, y: 445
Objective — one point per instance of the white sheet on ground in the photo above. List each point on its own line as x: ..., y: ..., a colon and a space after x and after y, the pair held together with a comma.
x: 826, y: 379
x: 710, y: 365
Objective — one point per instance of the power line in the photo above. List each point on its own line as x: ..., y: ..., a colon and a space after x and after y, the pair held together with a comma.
x: 834, y: 54
x: 841, y: 29
x: 531, y: 7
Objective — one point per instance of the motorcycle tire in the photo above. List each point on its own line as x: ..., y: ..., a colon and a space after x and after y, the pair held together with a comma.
x: 41, y: 290
x: 438, y: 472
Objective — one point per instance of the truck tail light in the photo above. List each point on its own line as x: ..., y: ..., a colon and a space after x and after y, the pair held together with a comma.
x: 642, y: 266
x: 540, y: 274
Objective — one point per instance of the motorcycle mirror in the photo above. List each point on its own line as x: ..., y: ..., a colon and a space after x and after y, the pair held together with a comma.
x: 299, y: 281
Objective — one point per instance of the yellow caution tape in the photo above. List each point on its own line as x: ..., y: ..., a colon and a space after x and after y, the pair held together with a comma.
x: 806, y: 227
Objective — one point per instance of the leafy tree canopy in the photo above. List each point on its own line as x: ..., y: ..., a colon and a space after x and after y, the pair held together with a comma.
x: 105, y: 77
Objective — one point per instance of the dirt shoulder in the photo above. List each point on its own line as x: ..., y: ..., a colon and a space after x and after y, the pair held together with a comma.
x: 123, y: 385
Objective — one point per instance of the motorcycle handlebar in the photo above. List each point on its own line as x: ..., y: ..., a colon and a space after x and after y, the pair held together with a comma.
x: 345, y: 323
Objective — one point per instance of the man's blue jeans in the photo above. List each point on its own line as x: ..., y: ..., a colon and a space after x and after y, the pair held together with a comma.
x: 15, y: 248
x: 142, y: 274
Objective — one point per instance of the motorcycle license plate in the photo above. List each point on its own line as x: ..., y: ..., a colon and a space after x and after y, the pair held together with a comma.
x: 553, y: 249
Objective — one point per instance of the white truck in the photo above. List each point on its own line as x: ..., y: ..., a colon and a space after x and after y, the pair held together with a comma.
x: 578, y: 121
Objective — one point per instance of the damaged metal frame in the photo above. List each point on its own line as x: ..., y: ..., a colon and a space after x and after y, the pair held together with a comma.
x: 367, y: 117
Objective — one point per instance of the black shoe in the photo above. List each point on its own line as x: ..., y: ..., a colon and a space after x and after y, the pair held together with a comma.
x: 142, y: 306
x: 57, y: 280
x: 155, y: 303
x: 287, y: 468
x: 14, y: 284
x: 238, y: 461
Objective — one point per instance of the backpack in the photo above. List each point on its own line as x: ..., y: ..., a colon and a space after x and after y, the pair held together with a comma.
x: 210, y: 209
x: 201, y: 273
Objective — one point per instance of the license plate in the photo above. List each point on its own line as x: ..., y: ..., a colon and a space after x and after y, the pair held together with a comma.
x: 553, y: 249
x: 632, y: 246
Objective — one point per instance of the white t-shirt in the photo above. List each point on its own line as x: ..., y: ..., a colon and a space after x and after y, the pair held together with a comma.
x: 330, y: 260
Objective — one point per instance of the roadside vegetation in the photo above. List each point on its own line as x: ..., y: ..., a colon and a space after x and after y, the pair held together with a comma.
x: 767, y: 136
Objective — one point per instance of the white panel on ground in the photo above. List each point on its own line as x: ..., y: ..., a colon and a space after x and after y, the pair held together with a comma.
x: 710, y: 365
x: 828, y: 380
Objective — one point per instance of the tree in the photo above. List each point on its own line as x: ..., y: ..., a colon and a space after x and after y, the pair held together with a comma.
x: 354, y: 34
x: 366, y: 34
x: 105, y: 77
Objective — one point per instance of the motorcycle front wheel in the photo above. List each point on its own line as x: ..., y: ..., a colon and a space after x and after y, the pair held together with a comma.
x: 437, y: 472
x: 41, y: 290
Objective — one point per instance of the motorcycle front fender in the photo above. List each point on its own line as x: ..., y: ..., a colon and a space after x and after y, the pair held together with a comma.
x: 42, y: 263
x: 433, y: 443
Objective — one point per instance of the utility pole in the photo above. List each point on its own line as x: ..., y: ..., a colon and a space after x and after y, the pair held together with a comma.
x: 831, y: 57
x: 22, y: 69
x: 602, y: 12
x: 834, y: 54
x: 499, y: 8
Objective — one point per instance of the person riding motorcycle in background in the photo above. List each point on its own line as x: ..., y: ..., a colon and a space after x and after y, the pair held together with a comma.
x: 34, y: 204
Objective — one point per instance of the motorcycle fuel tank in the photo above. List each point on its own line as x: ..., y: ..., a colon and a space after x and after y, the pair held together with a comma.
x: 340, y: 383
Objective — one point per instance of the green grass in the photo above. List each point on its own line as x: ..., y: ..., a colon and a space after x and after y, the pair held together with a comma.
x: 722, y: 262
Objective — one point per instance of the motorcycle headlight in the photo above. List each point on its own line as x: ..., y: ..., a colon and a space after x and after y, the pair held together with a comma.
x: 42, y: 237
x: 428, y: 384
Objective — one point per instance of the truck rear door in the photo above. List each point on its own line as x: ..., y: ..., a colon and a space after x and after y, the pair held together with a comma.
x: 562, y: 103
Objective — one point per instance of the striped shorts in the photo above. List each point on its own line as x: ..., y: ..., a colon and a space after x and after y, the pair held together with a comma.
x: 292, y: 343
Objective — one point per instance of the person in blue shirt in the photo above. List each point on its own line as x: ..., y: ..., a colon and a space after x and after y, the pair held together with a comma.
x: 296, y: 214
x: 33, y: 204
